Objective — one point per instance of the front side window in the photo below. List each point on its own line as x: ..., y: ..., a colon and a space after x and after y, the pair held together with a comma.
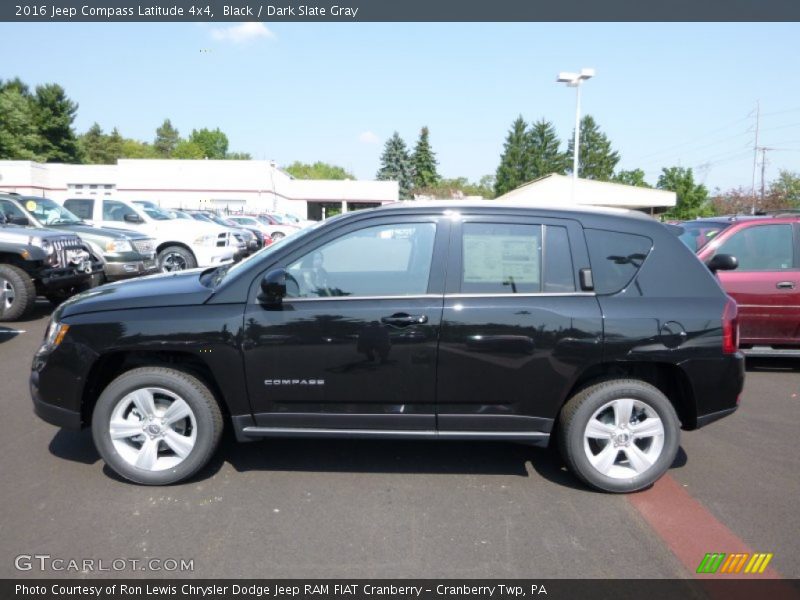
x: 80, y: 208
x: 761, y: 248
x: 116, y: 211
x: 11, y: 211
x: 383, y: 260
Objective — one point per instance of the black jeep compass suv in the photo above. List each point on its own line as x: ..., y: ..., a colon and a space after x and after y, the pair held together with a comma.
x: 445, y: 320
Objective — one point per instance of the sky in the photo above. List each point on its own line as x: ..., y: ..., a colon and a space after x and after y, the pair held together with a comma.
x: 666, y: 94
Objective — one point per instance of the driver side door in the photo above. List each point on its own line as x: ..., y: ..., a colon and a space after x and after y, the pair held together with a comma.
x: 353, y: 345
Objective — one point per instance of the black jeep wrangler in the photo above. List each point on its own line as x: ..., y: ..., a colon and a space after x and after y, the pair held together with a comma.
x: 40, y: 262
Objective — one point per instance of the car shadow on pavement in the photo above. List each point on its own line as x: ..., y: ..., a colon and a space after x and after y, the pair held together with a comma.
x: 7, y: 334
x: 360, y: 456
x: 76, y: 446
x: 776, y: 364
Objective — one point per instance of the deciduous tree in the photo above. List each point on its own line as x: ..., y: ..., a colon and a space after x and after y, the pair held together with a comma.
x: 692, y: 198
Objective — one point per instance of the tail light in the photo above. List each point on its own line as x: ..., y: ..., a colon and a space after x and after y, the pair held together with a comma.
x: 730, y: 328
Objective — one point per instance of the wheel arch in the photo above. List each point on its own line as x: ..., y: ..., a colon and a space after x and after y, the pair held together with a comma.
x: 164, y: 245
x: 668, y: 378
x: 110, y: 366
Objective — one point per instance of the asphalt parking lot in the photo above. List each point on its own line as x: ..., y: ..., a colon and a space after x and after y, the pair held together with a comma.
x: 356, y: 508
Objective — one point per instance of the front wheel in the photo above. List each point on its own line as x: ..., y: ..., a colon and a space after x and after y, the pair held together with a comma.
x: 156, y: 426
x: 619, y: 436
x: 176, y: 258
x: 17, y: 293
x: 278, y: 236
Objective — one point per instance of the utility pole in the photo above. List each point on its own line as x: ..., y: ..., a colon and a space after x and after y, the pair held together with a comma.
x: 755, y: 160
x: 764, y: 151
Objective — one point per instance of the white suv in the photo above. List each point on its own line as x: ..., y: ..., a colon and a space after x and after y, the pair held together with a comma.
x: 180, y: 244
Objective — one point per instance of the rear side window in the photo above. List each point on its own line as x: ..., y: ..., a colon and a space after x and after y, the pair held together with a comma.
x: 80, y: 208
x: 761, y: 248
x: 502, y: 258
x: 615, y: 257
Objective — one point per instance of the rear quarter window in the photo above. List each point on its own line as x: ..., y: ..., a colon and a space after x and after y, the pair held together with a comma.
x: 616, y: 258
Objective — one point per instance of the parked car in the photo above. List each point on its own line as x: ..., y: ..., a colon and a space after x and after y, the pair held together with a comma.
x: 179, y: 244
x: 123, y: 253
x: 766, y: 284
x: 411, y: 321
x: 40, y: 262
x: 269, y: 228
x: 261, y: 239
x: 242, y: 244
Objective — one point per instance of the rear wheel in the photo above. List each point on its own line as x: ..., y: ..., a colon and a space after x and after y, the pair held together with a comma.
x: 278, y: 236
x: 620, y: 435
x: 176, y: 258
x: 156, y: 426
x: 17, y: 293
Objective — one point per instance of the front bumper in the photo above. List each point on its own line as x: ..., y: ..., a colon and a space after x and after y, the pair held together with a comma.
x: 124, y: 270
x: 55, y: 415
x: 55, y: 279
x: 212, y: 257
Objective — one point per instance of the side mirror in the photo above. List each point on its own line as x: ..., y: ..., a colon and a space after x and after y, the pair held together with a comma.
x: 21, y: 220
x: 722, y: 262
x: 133, y: 218
x: 273, y: 288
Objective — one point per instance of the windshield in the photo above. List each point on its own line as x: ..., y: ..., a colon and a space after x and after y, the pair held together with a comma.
x: 155, y: 213
x: 696, y: 235
x: 217, y: 276
x: 48, y: 212
x: 201, y: 217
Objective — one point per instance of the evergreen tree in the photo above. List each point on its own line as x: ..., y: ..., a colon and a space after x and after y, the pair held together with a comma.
x: 94, y: 147
x: 514, y: 162
x: 54, y: 115
x: 396, y: 165
x: 596, y: 160
x: 19, y: 137
x: 424, y: 162
x: 692, y: 198
x: 544, y: 155
x: 167, y: 137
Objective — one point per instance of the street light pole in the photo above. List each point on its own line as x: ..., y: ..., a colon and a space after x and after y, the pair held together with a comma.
x: 575, y: 80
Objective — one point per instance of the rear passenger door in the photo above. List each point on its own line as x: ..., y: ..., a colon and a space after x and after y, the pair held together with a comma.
x: 516, y: 327
x: 766, y: 285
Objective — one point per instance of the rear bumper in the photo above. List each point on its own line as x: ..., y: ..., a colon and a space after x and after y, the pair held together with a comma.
x: 717, y: 386
x: 710, y: 418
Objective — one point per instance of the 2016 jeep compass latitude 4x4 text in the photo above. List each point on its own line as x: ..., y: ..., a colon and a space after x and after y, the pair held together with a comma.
x: 457, y: 321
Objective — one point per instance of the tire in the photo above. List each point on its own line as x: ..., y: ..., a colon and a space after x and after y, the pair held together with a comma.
x: 278, y: 236
x: 624, y: 459
x: 154, y: 451
x: 176, y: 258
x: 17, y: 293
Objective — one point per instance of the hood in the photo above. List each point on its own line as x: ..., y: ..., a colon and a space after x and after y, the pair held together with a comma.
x: 101, y: 232
x: 167, y: 289
x: 184, y: 225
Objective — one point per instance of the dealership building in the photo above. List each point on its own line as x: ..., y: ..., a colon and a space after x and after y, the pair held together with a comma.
x: 229, y: 185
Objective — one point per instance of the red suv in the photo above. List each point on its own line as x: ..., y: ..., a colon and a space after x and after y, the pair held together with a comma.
x: 766, y: 284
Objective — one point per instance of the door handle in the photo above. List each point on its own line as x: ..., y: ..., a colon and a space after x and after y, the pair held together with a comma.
x: 785, y: 285
x: 403, y: 320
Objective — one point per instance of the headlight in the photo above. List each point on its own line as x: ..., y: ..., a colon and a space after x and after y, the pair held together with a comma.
x: 119, y: 246
x: 55, y: 334
x: 206, y: 240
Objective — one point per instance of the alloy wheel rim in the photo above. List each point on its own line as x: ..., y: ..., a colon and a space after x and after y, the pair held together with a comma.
x: 623, y: 438
x: 153, y: 429
x: 173, y: 262
x: 7, y: 294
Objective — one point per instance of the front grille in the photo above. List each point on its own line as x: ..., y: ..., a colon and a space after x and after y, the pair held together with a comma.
x: 222, y: 240
x: 65, y: 248
x: 146, y: 247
